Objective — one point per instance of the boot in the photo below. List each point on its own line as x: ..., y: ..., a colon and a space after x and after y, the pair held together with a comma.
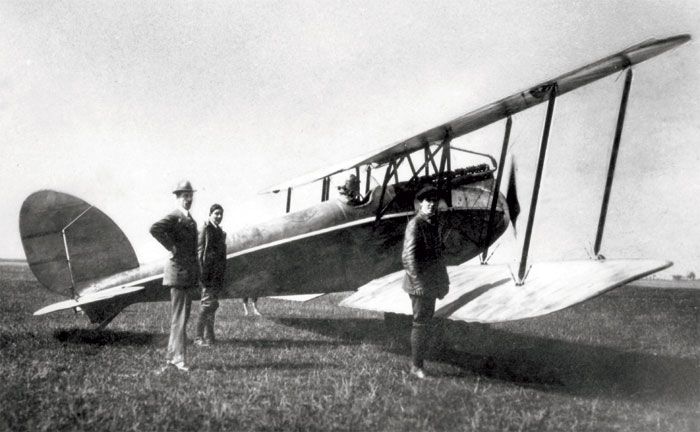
x: 419, y: 338
x: 209, y: 331
x: 199, y: 330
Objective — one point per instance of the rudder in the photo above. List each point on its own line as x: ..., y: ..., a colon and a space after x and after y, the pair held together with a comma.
x: 56, y: 226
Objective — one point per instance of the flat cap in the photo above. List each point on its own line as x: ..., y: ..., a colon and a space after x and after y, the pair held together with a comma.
x: 428, y: 192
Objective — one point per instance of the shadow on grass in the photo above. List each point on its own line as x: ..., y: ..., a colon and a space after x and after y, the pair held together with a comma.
x: 355, y: 330
x: 533, y: 361
x: 279, y: 343
x: 107, y: 337
x: 208, y: 366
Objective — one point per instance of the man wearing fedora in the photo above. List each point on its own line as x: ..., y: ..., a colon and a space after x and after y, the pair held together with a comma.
x: 177, y: 232
x: 426, y: 272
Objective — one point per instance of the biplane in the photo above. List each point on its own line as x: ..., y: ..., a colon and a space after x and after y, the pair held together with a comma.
x: 76, y: 250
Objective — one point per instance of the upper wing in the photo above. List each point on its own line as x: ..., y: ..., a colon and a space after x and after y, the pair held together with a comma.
x: 498, y: 110
x: 488, y: 294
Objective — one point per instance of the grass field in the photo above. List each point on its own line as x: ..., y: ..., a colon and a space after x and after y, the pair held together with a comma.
x: 628, y: 360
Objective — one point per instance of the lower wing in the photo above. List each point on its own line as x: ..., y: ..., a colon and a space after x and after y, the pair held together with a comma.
x: 488, y: 293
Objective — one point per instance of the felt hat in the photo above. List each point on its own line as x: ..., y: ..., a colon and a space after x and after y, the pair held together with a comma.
x: 183, y: 186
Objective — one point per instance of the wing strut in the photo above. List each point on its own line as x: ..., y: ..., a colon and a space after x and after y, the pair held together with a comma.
x: 429, y: 156
x: 410, y: 164
x: 391, y: 171
x: 368, y: 178
x: 496, y: 189
x: 289, y: 198
x: 538, y: 178
x: 613, y: 161
x: 325, y: 188
x: 446, y: 166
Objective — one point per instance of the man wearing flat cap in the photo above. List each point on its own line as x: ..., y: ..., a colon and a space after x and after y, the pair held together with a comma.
x: 426, y: 272
x: 177, y: 232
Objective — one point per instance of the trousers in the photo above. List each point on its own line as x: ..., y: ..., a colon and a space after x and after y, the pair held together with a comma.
x: 180, y: 304
x: 423, y: 310
x: 207, y: 309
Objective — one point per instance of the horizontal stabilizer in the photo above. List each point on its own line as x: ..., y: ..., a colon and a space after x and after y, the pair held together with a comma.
x: 89, y: 298
x: 488, y: 293
x: 298, y: 297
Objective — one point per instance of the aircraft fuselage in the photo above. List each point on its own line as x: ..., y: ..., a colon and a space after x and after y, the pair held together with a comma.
x: 334, y: 246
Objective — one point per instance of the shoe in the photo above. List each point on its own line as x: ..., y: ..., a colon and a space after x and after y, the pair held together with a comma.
x: 202, y: 343
x: 256, y: 313
x: 181, y: 366
x: 418, y: 372
x: 170, y: 366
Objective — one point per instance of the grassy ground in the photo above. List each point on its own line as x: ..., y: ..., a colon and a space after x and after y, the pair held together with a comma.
x: 628, y: 360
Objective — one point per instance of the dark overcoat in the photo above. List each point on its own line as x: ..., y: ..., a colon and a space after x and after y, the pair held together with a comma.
x: 422, y: 257
x: 178, y: 234
x: 211, y: 252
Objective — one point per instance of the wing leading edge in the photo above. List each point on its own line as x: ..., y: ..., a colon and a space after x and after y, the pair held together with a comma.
x: 488, y: 294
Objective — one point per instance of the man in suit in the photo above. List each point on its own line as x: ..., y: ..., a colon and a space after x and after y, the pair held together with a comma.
x: 211, y: 252
x: 177, y: 232
x: 426, y: 272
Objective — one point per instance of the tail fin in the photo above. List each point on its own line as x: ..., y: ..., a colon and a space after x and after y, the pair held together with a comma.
x: 68, y: 242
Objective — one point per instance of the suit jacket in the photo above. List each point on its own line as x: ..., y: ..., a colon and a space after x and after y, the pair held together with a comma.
x: 426, y: 271
x: 178, y: 234
x: 211, y: 252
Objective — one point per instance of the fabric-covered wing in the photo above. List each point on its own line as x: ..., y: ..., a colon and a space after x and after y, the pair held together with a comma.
x: 488, y: 294
x: 498, y: 110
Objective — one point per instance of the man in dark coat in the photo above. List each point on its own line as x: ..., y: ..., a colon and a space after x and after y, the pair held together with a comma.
x: 211, y: 254
x: 177, y: 232
x: 426, y: 272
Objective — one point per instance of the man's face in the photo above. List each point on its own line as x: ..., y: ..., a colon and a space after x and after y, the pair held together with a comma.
x: 428, y: 206
x: 185, y: 199
x: 216, y: 216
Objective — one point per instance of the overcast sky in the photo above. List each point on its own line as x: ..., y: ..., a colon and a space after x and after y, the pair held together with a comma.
x: 116, y: 101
